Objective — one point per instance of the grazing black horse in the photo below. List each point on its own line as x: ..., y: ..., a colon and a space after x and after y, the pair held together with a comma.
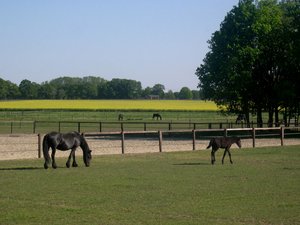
x: 240, y: 119
x: 223, y: 142
x: 157, y: 116
x: 121, y: 117
x: 64, y: 142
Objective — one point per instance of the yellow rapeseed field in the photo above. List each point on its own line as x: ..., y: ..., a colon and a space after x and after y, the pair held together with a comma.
x: 174, y: 105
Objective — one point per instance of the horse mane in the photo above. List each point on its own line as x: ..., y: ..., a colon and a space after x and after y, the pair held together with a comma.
x: 83, y: 143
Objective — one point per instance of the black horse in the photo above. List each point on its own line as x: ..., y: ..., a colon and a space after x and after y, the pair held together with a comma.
x: 120, y: 117
x: 157, y: 116
x: 223, y: 142
x: 55, y: 140
x: 241, y: 118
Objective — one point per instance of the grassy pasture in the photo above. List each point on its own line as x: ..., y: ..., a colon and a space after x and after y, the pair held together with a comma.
x: 261, y: 187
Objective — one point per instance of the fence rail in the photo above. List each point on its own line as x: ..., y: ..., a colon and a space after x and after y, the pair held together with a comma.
x: 161, y: 136
x: 280, y: 132
x: 109, y: 126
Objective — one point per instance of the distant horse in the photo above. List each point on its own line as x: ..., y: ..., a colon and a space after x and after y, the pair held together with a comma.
x: 240, y: 119
x: 157, y: 116
x: 223, y: 142
x: 64, y: 142
x: 121, y: 117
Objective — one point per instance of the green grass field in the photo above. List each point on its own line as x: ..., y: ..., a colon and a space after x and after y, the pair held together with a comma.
x: 261, y: 187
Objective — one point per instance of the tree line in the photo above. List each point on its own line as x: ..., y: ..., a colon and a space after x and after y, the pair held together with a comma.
x: 253, y: 64
x: 89, y: 87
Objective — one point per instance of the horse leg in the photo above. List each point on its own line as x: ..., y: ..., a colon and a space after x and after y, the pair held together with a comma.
x: 54, y: 166
x: 230, y: 156
x: 225, y: 151
x: 74, y: 164
x: 47, y: 158
x: 69, y: 159
x: 213, y: 159
x: 72, y: 155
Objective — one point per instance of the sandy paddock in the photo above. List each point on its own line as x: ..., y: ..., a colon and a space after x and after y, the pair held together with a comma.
x: 26, y: 146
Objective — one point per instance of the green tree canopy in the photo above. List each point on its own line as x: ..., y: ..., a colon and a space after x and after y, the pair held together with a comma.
x: 250, y: 59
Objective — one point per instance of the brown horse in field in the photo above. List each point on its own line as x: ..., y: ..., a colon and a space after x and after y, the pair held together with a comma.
x: 223, y: 142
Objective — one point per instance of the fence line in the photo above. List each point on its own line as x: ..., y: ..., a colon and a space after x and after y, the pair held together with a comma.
x: 193, y: 134
x: 281, y: 134
x: 102, y: 126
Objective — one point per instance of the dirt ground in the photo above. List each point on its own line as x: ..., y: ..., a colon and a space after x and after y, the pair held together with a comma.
x: 26, y: 146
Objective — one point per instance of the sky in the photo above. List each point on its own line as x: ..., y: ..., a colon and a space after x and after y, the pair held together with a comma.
x: 151, y: 41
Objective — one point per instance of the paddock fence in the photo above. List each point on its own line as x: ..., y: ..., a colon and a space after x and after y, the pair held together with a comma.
x: 125, y: 142
x: 35, y: 127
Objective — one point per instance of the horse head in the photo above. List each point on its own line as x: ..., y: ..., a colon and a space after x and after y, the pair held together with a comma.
x: 87, y: 157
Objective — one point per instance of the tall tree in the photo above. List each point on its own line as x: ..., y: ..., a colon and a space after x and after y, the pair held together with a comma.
x: 225, y: 75
x: 28, y: 89
x: 253, y: 59
x: 8, y: 90
x: 158, y: 89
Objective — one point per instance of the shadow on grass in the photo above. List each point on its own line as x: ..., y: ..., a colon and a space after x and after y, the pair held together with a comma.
x: 21, y: 168
x: 192, y: 164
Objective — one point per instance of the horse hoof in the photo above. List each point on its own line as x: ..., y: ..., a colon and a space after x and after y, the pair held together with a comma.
x: 67, y: 165
x: 45, y: 166
x: 74, y: 165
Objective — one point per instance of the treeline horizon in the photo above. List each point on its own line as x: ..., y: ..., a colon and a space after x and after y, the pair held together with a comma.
x: 89, y: 87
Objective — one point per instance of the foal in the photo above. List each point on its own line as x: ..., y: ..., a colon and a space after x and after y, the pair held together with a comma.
x: 223, y: 142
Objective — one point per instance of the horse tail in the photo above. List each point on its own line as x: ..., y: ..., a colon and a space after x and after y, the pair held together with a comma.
x: 210, y: 144
x: 46, y: 151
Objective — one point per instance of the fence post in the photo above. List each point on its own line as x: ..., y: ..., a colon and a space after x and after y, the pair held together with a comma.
x: 11, y: 127
x: 225, y: 132
x: 194, y: 140
x: 253, y: 137
x: 123, y: 141
x: 34, y: 126
x: 282, y: 135
x: 160, y: 140
x: 100, y: 127
x: 78, y: 127
x: 39, y: 145
x: 59, y: 126
x: 145, y: 126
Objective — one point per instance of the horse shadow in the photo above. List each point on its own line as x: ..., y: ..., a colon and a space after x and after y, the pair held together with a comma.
x: 192, y: 164
x: 21, y: 168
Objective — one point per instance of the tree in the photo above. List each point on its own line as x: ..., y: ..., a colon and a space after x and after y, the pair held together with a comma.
x: 8, y: 90
x: 196, y: 94
x: 252, y: 63
x: 169, y: 95
x: 185, y: 93
x: 28, y: 89
x: 158, y: 89
x: 124, y: 89
x: 225, y: 75
x: 47, y: 91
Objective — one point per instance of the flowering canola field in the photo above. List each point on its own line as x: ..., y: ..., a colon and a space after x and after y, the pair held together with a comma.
x: 143, y: 105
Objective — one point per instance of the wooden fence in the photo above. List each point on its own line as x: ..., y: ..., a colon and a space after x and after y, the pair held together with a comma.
x: 278, y: 132
x: 161, y: 141
x: 34, y: 127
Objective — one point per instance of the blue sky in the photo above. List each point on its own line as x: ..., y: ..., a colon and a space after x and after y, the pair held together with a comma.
x: 152, y: 41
